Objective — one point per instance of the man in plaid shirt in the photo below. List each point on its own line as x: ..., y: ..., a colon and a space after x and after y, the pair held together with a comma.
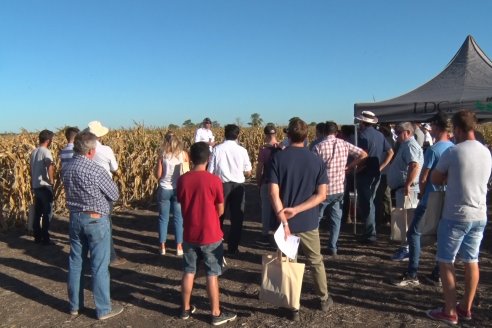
x: 334, y: 152
x: 89, y: 190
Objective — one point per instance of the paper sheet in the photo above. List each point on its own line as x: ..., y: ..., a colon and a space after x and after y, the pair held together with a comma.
x: 288, y: 247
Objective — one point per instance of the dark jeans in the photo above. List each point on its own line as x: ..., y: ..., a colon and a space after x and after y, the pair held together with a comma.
x: 383, y: 202
x: 366, y: 191
x: 234, y: 211
x: 349, y: 187
x: 43, y: 204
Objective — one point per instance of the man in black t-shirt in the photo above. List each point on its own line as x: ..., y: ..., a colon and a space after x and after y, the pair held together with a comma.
x: 298, y: 184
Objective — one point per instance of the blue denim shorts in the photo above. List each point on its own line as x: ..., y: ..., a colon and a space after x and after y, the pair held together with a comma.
x: 459, y: 238
x: 212, y: 255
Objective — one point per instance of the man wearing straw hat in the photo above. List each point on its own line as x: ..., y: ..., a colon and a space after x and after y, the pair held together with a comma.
x: 379, y: 153
x: 105, y: 157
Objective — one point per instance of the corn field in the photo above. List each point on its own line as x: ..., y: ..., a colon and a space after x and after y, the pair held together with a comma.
x: 136, y: 150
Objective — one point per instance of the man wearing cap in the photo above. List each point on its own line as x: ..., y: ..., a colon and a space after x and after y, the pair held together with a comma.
x: 204, y: 133
x: 403, y: 176
x: 105, y: 157
x: 379, y: 153
x: 265, y: 153
x: 440, y: 130
x: 230, y: 162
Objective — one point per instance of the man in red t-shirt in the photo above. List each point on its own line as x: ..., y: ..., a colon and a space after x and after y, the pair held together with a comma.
x: 202, y: 202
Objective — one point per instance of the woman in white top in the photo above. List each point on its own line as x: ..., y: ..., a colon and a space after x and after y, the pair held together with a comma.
x: 170, y: 164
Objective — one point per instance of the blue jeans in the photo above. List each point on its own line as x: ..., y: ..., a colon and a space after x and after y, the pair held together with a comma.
x: 166, y: 197
x: 212, y: 254
x: 43, y: 207
x: 367, y: 187
x: 462, y: 238
x: 89, y: 235
x: 413, y: 239
x: 334, y: 205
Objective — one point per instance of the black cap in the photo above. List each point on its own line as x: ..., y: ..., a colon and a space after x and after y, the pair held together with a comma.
x: 207, y: 120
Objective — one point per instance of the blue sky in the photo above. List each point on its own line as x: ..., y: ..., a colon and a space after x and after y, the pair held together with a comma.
x: 159, y: 62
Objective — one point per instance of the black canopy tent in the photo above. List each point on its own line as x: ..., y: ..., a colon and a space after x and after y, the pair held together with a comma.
x: 465, y: 83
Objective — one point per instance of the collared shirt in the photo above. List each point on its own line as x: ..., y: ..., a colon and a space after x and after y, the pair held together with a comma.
x: 376, y: 146
x: 88, y: 187
x: 334, y: 153
x: 229, y: 162
x: 105, y: 158
x: 408, y: 152
x: 66, y: 154
x: 203, y: 134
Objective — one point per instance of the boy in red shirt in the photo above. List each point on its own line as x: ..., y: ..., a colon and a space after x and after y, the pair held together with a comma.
x: 202, y: 202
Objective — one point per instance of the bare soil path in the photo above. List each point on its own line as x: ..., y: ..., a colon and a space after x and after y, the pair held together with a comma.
x: 33, y: 282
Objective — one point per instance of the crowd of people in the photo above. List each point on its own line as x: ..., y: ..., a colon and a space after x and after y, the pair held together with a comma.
x: 300, y: 185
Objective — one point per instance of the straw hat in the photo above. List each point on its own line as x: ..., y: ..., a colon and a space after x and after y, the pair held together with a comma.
x: 368, y: 117
x: 97, y: 128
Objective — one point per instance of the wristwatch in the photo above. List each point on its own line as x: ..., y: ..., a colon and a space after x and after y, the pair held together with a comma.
x: 286, y: 223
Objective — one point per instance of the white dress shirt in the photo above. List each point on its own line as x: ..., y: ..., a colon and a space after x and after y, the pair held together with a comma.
x: 105, y: 158
x: 229, y: 162
x: 203, y: 134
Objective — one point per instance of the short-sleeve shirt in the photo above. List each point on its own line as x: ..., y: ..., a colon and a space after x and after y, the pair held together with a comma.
x: 375, y: 145
x: 431, y: 158
x: 229, y: 162
x: 264, y: 159
x: 334, y: 152
x: 41, y: 159
x: 468, y: 166
x: 105, y: 157
x: 205, y: 135
x: 298, y: 172
x: 408, y: 152
x: 198, y: 192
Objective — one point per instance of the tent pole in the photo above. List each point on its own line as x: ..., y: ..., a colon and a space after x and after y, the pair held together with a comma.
x: 356, y: 126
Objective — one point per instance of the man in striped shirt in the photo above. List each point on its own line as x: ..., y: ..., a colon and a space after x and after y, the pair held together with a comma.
x: 334, y: 153
x: 66, y: 153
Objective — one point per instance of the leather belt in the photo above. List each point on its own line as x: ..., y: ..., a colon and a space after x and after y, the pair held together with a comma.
x: 93, y: 215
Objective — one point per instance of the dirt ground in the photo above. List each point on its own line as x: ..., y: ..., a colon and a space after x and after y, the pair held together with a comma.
x: 33, y: 282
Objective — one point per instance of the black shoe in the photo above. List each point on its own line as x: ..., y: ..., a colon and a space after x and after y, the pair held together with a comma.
x: 264, y: 240
x: 326, y: 304
x: 186, y: 314
x: 433, y: 279
x: 233, y: 253
x: 294, y: 315
x: 406, y: 280
x: 367, y: 241
x: 224, y: 317
x: 332, y: 252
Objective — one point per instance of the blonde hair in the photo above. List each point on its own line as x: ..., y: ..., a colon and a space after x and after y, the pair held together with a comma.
x: 171, y: 146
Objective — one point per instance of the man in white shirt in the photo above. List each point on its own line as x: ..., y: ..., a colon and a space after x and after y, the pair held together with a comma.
x: 230, y: 162
x: 105, y: 157
x: 204, y: 133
